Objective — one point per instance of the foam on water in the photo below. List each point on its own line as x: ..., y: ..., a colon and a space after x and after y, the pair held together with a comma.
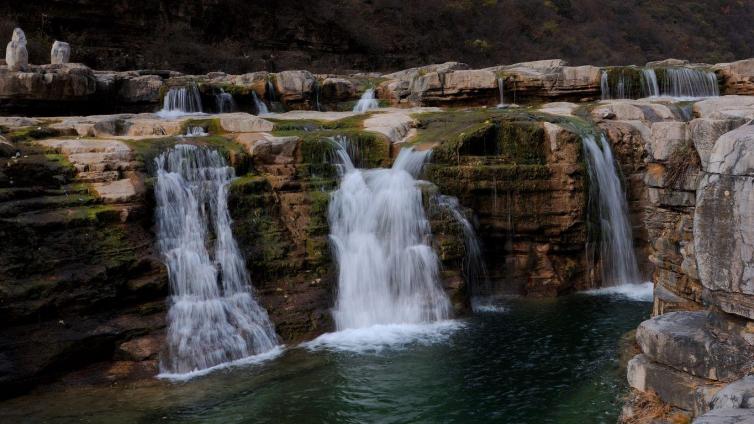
x: 376, y: 338
x: 249, y: 360
x: 643, y: 292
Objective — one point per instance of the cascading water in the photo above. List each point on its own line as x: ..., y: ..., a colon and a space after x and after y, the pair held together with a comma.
x: 473, y: 266
x: 605, y: 85
x: 213, y: 317
x: 195, y: 132
x: 180, y: 101
x: 500, y: 89
x: 388, y: 272
x: 259, y: 104
x: 366, y: 102
x: 649, y: 87
x: 687, y: 82
x: 224, y: 102
x: 619, y: 265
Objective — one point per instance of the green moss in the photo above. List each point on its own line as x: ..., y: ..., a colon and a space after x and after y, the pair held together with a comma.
x: 146, y: 150
x: 31, y: 133
x: 210, y: 125
x: 630, y: 77
x: 522, y: 142
x: 351, y: 122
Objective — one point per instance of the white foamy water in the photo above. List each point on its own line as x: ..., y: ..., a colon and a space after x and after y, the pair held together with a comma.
x: 224, y: 102
x: 213, y: 317
x: 616, y: 244
x: 180, y: 101
x: 366, y: 102
x: 501, y: 92
x: 377, y: 338
x: 388, y: 272
x: 643, y: 292
x: 195, y: 132
x: 249, y: 360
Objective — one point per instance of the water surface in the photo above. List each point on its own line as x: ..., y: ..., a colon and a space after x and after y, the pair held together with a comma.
x: 530, y: 361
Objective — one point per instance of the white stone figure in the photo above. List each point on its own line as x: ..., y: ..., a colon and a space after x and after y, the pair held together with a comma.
x: 16, y: 55
x: 60, y: 53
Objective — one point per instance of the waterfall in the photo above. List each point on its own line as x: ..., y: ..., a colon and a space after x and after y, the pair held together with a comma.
x: 388, y: 272
x: 270, y: 91
x: 605, y: 86
x: 213, y: 317
x: 196, y: 132
x: 616, y: 245
x: 500, y: 83
x: 224, y: 102
x: 180, y: 101
x: 366, y: 102
x: 687, y: 82
x: 649, y: 87
x: 473, y: 266
x: 259, y: 104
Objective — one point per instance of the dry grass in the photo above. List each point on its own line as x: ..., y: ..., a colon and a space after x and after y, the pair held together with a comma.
x: 648, y: 408
x: 682, y: 164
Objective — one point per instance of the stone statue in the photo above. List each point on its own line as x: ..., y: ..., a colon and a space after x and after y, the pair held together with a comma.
x: 60, y: 53
x: 16, y: 55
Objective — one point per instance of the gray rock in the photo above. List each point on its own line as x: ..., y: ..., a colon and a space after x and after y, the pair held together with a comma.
x: 684, y: 341
x: 724, y: 223
x: 705, y: 132
x: 727, y: 416
x: 16, y: 55
x: 60, y: 53
x: 738, y: 394
x: 672, y: 386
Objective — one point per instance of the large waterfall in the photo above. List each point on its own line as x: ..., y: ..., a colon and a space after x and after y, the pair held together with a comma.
x: 388, y: 272
x: 180, y: 101
x: 366, y: 102
x: 213, y: 317
x: 616, y: 244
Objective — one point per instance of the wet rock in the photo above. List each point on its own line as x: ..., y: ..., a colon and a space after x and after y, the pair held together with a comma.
x: 141, y: 348
x: 60, y: 53
x: 337, y: 89
x: 294, y: 87
x: 16, y: 55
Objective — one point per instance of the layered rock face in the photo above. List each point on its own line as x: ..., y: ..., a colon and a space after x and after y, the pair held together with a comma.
x: 696, y: 207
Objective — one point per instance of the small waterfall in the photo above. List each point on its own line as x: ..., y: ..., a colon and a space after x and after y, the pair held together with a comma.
x: 366, y: 102
x: 316, y: 95
x: 500, y: 86
x: 473, y: 266
x: 213, y: 317
x: 650, y: 88
x: 388, y: 272
x: 605, y: 86
x: 616, y: 245
x: 259, y: 104
x: 180, y: 101
x: 270, y: 91
x: 196, y: 132
x: 224, y: 102
x: 687, y: 82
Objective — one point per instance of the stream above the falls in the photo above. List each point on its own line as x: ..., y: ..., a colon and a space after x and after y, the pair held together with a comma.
x: 529, y: 361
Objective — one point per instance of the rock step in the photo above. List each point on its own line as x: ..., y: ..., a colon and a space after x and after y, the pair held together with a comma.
x: 672, y: 386
x: 685, y: 341
x: 17, y: 207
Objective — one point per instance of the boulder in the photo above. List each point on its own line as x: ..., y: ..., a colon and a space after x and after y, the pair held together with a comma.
x: 337, y: 89
x: 672, y: 386
x: 725, y: 107
x: 727, y: 416
x: 666, y: 138
x: 294, y: 86
x: 16, y: 55
x: 724, y: 223
x: 738, y: 394
x: 66, y: 82
x: 705, y: 132
x: 243, y: 122
x: 685, y: 342
x: 60, y: 53
x: 737, y: 77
